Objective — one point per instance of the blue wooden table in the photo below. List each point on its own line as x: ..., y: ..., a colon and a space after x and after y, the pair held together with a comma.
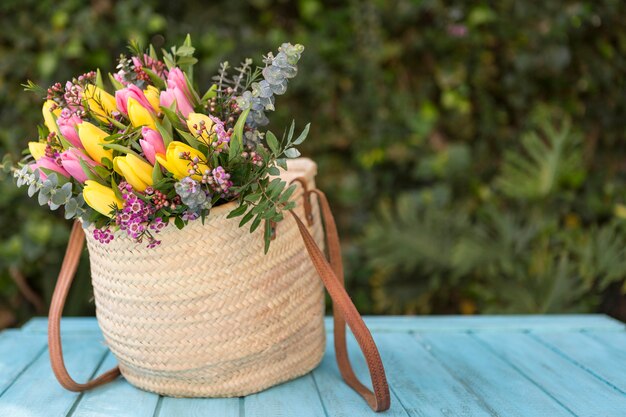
x: 437, y: 366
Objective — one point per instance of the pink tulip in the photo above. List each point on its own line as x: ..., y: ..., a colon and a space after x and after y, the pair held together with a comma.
x: 152, y: 144
x: 132, y: 91
x: 70, y: 159
x: 176, y: 78
x: 175, y: 94
x: 67, y: 125
x: 48, y: 163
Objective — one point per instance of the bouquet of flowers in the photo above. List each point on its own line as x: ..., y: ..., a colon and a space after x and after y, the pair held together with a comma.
x: 156, y: 150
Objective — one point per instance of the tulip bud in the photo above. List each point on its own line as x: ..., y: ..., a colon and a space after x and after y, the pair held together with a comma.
x: 92, y: 139
x: 178, y: 166
x: 137, y: 173
x: 70, y: 159
x: 101, y: 103
x: 49, y: 164
x: 176, y: 95
x: 67, y: 125
x: 151, y: 144
x: 100, y: 198
x: 203, y: 124
x: 152, y: 94
x: 49, y: 116
x: 132, y: 91
x: 176, y: 79
x: 139, y: 115
x: 37, y: 149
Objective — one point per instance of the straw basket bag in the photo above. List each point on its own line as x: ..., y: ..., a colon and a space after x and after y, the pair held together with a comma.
x: 208, y: 314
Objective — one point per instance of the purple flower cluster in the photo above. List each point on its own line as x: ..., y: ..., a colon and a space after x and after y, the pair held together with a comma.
x: 219, y: 180
x: 135, y: 217
x: 103, y: 236
x: 222, y: 135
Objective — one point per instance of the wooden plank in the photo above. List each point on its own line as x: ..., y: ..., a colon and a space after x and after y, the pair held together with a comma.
x: 117, y: 398
x: 338, y: 398
x: 420, y: 385
x: 569, y: 384
x: 37, y: 393
x: 615, y: 344
x: 413, y: 323
x: 296, y: 398
x: 198, y: 407
x: 17, y: 352
x: 68, y: 325
x: 596, y: 356
x: 499, y: 386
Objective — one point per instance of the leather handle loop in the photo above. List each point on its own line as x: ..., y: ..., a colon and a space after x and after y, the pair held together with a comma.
x: 66, y: 276
x: 345, y: 312
x: 308, y: 210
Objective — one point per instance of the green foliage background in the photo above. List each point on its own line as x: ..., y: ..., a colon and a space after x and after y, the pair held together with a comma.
x: 473, y: 151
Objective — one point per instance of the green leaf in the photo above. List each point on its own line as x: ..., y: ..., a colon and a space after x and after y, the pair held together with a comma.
x: 189, y: 138
x: 291, y: 129
x: 302, y: 135
x: 282, y: 162
x: 89, y: 173
x: 238, y: 211
x: 172, y: 117
x: 179, y: 223
x: 267, y: 235
x: 165, y: 129
x: 122, y: 149
x: 236, y: 140
x: 292, y: 153
x: 116, y: 84
x: 116, y: 190
x: 211, y: 93
x: 284, y: 197
x: 99, y: 81
x: 273, y: 170
x: 252, y: 197
x: 255, y: 223
x: 185, y: 50
x: 156, y: 80
x: 246, y: 218
x: 272, y: 142
x: 156, y: 172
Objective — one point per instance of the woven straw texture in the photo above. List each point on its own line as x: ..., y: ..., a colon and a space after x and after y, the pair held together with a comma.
x: 206, y: 313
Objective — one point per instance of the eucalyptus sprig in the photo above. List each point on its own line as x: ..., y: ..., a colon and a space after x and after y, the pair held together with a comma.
x: 263, y: 195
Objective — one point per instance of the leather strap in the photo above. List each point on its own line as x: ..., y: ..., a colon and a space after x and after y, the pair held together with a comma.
x: 331, y: 274
x: 344, y: 310
x: 66, y: 276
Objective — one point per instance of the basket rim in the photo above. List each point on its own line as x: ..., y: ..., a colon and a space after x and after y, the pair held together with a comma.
x: 298, y: 167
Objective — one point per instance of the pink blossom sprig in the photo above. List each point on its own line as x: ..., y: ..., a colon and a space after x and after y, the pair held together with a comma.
x: 135, y: 217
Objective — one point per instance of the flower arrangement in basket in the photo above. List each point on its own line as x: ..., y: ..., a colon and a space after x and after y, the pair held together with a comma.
x: 154, y: 173
x: 157, y: 151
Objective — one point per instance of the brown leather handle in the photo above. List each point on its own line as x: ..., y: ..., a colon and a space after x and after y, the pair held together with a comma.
x: 330, y: 273
x: 344, y: 310
x: 66, y: 276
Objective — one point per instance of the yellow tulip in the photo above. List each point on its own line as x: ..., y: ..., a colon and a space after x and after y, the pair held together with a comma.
x: 49, y: 116
x: 139, y: 115
x: 173, y: 162
x: 101, y: 103
x: 92, y: 139
x: 152, y: 94
x: 198, y: 122
x: 37, y: 149
x: 100, y: 197
x: 137, y: 173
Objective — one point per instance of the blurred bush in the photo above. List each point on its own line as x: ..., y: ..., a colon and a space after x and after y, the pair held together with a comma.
x: 473, y: 154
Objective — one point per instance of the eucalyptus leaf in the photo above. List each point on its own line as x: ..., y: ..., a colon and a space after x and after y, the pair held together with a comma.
x: 272, y: 142
x: 292, y: 153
